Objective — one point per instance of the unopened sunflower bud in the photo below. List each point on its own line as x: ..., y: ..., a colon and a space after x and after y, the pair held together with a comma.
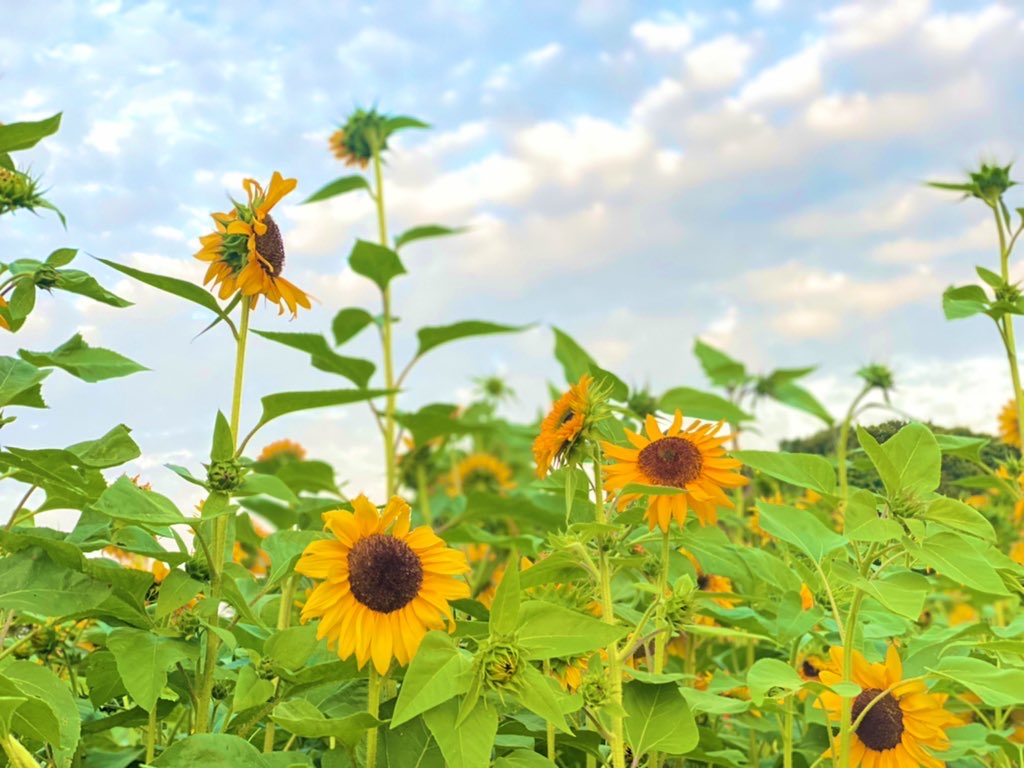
x: 594, y: 690
x: 363, y: 133
x: 221, y: 690
x: 198, y: 567
x: 188, y: 624
x: 225, y: 475
x: 46, y: 277
x: 501, y: 665
x: 265, y: 668
x: 17, y: 191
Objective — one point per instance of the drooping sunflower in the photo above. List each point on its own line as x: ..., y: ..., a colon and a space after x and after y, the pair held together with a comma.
x: 3, y: 322
x: 383, y: 587
x: 480, y: 472
x: 284, y: 448
x: 568, y: 419
x: 902, y: 727
x: 246, y: 252
x: 1009, y: 427
x: 692, y: 460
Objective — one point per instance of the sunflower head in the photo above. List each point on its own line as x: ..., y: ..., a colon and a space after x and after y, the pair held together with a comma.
x: 1009, y: 427
x: 481, y: 472
x: 877, y: 376
x: 285, y: 450
x: 246, y: 252
x: 900, y: 723
x: 18, y: 191
x: 365, y: 132
x: 569, y: 423
x: 691, y: 460
x: 382, y: 586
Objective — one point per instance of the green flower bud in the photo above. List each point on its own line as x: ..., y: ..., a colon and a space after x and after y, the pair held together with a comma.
x: 501, y: 665
x: 225, y: 475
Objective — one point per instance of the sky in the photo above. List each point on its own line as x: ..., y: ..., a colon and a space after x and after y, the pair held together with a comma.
x: 637, y: 174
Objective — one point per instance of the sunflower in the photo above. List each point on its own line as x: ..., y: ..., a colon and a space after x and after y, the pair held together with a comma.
x: 692, y: 460
x: 383, y: 587
x: 1009, y: 427
x: 1017, y: 552
x: 3, y: 322
x: 480, y: 472
x: 246, y: 252
x: 900, y: 725
x: 284, y: 449
x: 806, y: 597
x: 560, y: 431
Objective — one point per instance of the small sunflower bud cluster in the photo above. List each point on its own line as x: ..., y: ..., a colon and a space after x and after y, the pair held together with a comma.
x: 225, y: 476
x: 18, y: 191
x: 265, y: 668
x: 681, y: 606
x: 222, y: 689
x: 642, y: 403
x: 501, y: 663
x: 877, y: 376
x: 198, y: 567
x: 187, y: 623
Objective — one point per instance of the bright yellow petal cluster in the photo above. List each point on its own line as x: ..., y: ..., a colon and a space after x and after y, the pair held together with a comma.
x: 902, y: 726
x: 246, y: 252
x: 692, y: 460
x: 382, y: 587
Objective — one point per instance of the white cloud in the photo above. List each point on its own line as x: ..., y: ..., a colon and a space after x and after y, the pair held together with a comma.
x: 106, y: 135
x: 957, y: 32
x: 718, y: 63
x: 869, y: 23
x: 806, y: 302
x: 767, y: 6
x: 852, y: 216
x: 669, y: 36
x: 654, y: 100
x: 585, y: 144
x: 909, y: 250
x: 794, y: 78
x: 542, y: 56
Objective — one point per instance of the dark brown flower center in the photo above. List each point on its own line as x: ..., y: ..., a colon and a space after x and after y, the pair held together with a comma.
x: 810, y: 671
x: 384, y: 573
x: 673, y: 461
x: 882, y: 727
x: 270, y: 246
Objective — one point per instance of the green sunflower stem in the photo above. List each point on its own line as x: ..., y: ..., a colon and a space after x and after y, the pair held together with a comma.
x: 841, y: 445
x: 284, y: 620
x: 1009, y: 341
x: 386, y: 336
x: 219, y: 548
x: 373, y: 707
x: 617, y: 738
x: 423, y: 494
x: 661, y: 641
x: 845, y: 714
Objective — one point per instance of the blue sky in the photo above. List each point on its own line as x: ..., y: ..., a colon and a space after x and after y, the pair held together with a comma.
x: 635, y: 173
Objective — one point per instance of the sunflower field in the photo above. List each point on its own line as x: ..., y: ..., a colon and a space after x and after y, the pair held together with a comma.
x: 619, y: 583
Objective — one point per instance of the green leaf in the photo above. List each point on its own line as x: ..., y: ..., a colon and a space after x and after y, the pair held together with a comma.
x: 337, y: 187
x: 958, y: 516
x: 954, y: 558
x: 909, y: 461
x: 23, y: 301
x: 804, y: 470
x: 375, y: 262
x: 211, y: 749
x: 292, y: 647
x: 172, y: 285
x: 422, y: 232
x: 548, y: 630
x: 468, y: 744
x: 8, y: 706
x: 251, y: 690
x: 795, y: 396
x: 962, y: 446
x: 411, y: 746
x: 965, y: 301
x: 83, y: 284
x: 42, y: 687
x: 125, y: 501
x: 349, y: 322
x: 702, y: 405
x: 772, y: 679
x: 176, y: 590
x: 994, y: 686
x: 102, y: 677
x: 435, y: 336
x: 112, y: 450
x: 903, y: 592
x: 658, y: 719
x: 401, y: 123
x: 31, y: 581
x: 89, y: 364
x: 800, y: 528
x: 19, y: 383
x: 541, y: 695
x: 61, y: 257
x: 143, y: 660
x: 523, y: 758
x: 575, y: 362
x: 303, y: 719
x: 18, y: 136
x: 285, y: 548
x: 291, y: 402
x: 862, y: 523
x: 323, y: 357
x: 439, y: 671
x: 721, y: 370
x: 223, y: 441
x: 505, y: 608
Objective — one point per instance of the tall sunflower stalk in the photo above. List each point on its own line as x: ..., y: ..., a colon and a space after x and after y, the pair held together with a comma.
x: 989, y: 184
